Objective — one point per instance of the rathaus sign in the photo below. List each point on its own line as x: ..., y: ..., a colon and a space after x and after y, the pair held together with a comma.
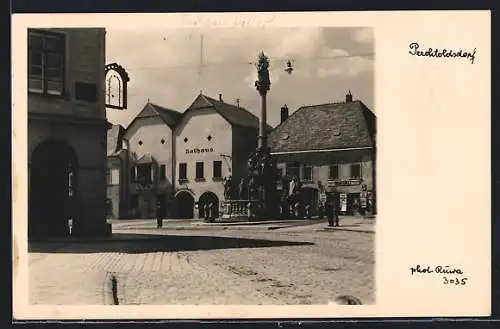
x: 197, y: 150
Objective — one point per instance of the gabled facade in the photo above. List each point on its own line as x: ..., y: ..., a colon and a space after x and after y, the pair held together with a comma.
x: 66, y: 132
x: 150, y: 146
x: 212, y: 142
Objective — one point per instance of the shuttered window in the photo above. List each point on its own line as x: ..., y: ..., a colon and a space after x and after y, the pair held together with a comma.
x: 46, y: 62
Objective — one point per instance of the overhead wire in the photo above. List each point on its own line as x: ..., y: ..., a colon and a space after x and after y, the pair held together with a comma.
x: 271, y: 60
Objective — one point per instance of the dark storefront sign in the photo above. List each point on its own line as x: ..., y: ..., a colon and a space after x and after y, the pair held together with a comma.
x: 344, y: 182
x: 197, y: 150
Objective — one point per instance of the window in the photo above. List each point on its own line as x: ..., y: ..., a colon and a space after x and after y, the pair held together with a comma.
x: 199, y: 170
x: 356, y: 170
x: 108, y: 176
x: 333, y: 172
x: 307, y: 173
x: 86, y: 92
x: 115, y: 176
x: 217, y: 169
x: 46, y: 57
x: 144, y: 173
x: 163, y: 173
x: 182, y: 170
x: 292, y: 170
x: 279, y: 173
x: 132, y: 175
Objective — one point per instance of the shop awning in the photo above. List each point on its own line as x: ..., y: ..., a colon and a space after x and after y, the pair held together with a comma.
x: 145, y: 159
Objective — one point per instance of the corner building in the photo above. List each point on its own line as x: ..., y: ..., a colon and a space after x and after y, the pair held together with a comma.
x: 149, y: 139
x: 213, y: 140
x: 331, y: 145
x: 67, y: 130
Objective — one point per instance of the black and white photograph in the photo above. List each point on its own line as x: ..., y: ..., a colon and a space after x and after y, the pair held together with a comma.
x: 250, y: 165
x: 201, y: 166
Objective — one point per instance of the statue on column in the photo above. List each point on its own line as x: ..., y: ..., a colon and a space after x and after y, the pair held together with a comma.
x: 227, y: 188
x: 263, y: 83
x: 252, y: 189
x: 242, y: 190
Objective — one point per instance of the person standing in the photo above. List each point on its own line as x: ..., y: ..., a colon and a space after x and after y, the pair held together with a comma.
x: 159, y: 213
x: 322, y: 200
x: 329, y: 209
x: 363, y: 200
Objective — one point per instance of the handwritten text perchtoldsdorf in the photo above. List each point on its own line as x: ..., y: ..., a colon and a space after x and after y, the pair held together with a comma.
x: 441, y: 53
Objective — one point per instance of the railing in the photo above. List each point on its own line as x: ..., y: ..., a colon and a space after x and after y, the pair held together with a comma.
x: 240, y: 208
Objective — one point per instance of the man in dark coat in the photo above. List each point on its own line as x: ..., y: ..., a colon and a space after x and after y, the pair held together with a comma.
x: 160, y: 213
x: 330, y: 210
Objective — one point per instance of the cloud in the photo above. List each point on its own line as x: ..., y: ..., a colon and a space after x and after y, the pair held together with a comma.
x: 163, y: 66
x: 343, y: 64
x: 363, y: 35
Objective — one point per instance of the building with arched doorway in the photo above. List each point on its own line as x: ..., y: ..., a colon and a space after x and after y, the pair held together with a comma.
x: 213, y: 140
x: 182, y: 159
x: 66, y: 133
x: 150, y: 141
x: 331, y: 145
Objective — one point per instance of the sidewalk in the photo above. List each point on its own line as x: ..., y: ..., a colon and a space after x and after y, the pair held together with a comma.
x: 348, y: 223
x: 354, y: 224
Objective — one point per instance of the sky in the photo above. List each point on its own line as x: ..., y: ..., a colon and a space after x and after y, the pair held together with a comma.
x: 164, y: 67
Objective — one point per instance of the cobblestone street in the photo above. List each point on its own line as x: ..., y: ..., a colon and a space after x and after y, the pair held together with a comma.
x: 214, y: 265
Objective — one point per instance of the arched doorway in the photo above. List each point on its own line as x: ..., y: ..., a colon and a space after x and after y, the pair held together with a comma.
x: 184, y: 205
x: 206, y: 199
x: 52, y: 189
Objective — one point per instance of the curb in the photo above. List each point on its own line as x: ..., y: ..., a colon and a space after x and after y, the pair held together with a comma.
x: 87, y: 240
x: 327, y: 229
x: 248, y: 223
x: 316, y: 222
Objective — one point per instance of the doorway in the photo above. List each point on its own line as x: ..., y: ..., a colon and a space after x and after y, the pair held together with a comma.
x: 53, y: 186
x: 208, y: 198
x: 184, y: 205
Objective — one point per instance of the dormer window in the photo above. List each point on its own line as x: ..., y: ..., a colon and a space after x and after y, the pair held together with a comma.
x: 140, y: 142
x: 162, y: 141
x: 209, y: 138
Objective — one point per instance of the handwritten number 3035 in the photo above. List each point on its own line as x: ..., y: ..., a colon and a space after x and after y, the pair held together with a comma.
x: 456, y: 281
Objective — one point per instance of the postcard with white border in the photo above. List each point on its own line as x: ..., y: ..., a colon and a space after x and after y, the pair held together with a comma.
x: 251, y: 165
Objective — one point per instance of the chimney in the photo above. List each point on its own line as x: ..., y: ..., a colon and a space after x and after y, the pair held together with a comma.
x: 220, y: 98
x: 284, y: 113
x: 348, y: 97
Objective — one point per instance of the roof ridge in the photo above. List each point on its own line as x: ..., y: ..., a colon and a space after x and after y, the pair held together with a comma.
x: 331, y: 103
x: 161, y: 107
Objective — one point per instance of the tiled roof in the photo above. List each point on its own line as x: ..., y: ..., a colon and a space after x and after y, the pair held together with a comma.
x: 115, y: 134
x: 170, y: 117
x: 325, y: 126
x: 233, y: 114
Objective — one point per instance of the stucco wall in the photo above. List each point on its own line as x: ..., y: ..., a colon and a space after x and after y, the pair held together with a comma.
x: 85, y: 61
x: 196, y: 126
x: 322, y: 161
x: 151, y: 131
x: 79, y: 124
